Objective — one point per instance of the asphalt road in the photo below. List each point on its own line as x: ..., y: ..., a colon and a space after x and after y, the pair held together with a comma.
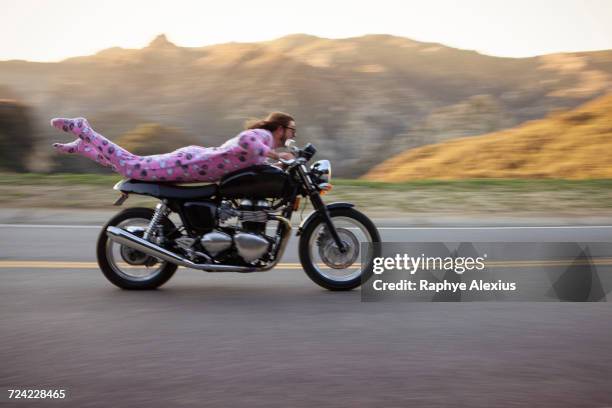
x: 277, y: 339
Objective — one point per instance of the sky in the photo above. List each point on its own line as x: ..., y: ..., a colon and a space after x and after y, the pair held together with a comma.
x: 52, y: 30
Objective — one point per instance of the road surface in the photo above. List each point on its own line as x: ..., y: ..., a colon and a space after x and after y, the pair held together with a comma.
x: 276, y: 339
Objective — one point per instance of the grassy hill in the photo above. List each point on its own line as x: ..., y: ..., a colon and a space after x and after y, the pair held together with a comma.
x: 569, y: 145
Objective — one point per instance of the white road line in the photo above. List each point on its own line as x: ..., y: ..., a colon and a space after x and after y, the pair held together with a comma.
x: 380, y: 228
x: 500, y: 227
x: 49, y: 226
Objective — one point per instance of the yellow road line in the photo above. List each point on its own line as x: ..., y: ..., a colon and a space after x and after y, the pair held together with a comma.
x: 48, y: 264
x: 88, y: 265
x: 16, y: 264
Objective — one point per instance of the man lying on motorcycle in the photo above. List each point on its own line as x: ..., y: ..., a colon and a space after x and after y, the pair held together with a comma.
x: 187, y: 164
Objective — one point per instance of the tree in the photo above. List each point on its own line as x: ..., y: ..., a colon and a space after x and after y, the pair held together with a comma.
x: 153, y: 138
x: 16, y: 135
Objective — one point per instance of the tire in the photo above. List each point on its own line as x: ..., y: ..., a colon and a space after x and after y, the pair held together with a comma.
x: 115, y: 277
x: 310, y: 267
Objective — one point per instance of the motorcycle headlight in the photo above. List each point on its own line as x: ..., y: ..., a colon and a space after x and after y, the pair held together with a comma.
x: 322, y: 169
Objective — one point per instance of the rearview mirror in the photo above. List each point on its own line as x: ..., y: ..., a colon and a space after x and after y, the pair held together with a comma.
x: 291, y: 145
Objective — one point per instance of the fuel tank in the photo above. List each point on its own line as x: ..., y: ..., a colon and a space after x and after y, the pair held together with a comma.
x: 260, y: 181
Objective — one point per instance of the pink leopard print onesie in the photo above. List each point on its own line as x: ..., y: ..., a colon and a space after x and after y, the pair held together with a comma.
x: 187, y: 164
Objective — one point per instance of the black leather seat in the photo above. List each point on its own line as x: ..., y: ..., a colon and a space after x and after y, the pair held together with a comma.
x: 163, y: 190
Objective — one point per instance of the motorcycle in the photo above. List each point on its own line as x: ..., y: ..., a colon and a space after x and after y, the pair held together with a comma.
x: 223, y: 227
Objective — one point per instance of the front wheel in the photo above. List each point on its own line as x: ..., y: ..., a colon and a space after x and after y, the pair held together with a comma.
x: 128, y: 268
x: 324, y: 263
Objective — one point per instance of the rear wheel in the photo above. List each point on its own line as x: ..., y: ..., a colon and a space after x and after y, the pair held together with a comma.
x: 324, y: 263
x: 128, y: 268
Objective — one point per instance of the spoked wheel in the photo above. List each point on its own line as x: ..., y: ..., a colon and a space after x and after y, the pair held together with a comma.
x: 128, y: 268
x: 324, y: 263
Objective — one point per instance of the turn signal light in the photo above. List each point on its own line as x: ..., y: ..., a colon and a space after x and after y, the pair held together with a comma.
x: 325, y: 188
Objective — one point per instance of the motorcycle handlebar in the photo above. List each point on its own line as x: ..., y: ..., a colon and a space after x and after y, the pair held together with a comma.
x: 301, y: 155
x: 292, y: 162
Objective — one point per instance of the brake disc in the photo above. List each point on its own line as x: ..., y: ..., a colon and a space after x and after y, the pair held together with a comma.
x: 330, y: 253
x: 133, y: 256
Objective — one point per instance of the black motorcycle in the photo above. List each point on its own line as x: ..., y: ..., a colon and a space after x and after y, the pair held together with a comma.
x: 240, y: 224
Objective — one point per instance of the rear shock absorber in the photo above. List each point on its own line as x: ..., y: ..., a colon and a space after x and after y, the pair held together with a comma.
x: 160, y: 212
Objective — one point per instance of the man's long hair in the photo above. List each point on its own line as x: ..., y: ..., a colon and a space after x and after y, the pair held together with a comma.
x: 272, y: 122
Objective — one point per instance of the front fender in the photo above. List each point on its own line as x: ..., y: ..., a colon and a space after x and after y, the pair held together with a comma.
x: 314, y: 214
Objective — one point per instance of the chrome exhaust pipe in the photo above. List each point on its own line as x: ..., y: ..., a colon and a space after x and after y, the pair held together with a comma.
x: 128, y: 239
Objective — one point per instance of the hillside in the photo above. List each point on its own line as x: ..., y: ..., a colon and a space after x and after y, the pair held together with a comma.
x: 570, y: 145
x: 359, y: 100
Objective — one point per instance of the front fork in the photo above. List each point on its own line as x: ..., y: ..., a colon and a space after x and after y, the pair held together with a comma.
x: 319, y: 205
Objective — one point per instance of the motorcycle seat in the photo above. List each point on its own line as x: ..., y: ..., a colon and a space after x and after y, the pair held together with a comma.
x: 166, y: 190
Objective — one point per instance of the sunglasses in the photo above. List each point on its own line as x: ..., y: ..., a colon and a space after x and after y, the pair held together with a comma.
x: 292, y: 128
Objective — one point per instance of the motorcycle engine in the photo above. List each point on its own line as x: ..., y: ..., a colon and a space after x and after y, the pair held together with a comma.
x: 250, y: 241
x: 250, y: 246
x: 254, y: 215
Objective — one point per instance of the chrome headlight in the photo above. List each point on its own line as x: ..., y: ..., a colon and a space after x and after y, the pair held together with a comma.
x: 322, y: 169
